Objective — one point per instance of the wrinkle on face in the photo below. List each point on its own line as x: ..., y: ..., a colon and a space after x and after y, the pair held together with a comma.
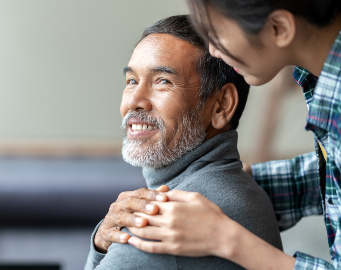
x: 180, y: 56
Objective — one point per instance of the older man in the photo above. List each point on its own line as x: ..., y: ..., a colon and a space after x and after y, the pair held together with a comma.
x: 180, y: 109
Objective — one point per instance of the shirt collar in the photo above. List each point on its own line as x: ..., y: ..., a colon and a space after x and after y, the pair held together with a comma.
x: 307, y: 81
x: 320, y: 92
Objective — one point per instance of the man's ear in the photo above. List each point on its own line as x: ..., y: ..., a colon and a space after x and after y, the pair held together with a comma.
x: 225, y: 106
x: 283, y: 27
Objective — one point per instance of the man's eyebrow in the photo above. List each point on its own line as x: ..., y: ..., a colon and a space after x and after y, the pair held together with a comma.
x: 153, y: 70
x: 164, y: 69
x: 127, y: 69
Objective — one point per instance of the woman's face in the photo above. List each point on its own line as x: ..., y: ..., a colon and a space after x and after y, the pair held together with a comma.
x: 257, y: 61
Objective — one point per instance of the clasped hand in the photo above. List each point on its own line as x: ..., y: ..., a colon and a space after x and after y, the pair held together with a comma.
x: 177, y: 219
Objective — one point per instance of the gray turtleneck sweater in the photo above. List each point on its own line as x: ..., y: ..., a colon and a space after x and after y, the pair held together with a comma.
x: 214, y: 170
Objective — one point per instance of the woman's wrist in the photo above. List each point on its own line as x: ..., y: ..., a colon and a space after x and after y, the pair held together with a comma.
x: 244, y: 248
x: 227, y: 238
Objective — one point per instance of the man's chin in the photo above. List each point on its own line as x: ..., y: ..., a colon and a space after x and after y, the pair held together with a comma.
x: 141, y: 154
x: 156, y: 153
x: 139, y: 147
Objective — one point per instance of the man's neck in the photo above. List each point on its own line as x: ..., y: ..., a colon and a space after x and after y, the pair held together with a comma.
x: 220, y: 147
x: 212, y: 132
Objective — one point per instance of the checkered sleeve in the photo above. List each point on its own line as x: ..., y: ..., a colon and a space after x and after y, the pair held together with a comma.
x: 293, y: 187
x: 307, y: 262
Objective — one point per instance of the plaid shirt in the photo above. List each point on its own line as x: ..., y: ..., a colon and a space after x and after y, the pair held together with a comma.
x: 294, y: 185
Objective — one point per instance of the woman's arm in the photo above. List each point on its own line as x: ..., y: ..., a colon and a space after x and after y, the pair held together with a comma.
x: 293, y: 187
x: 191, y: 225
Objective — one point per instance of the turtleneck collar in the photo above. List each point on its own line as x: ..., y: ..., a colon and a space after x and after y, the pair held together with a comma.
x: 221, y: 148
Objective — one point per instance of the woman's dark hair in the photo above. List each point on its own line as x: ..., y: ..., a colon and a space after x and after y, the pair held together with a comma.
x: 214, y: 73
x: 251, y: 15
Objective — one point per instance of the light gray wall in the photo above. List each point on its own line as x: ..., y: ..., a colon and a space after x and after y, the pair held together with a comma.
x: 61, y: 64
x: 290, y: 138
x: 61, y: 72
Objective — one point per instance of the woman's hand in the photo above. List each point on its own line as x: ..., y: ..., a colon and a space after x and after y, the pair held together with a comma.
x: 191, y: 225
x: 188, y: 225
x: 121, y: 214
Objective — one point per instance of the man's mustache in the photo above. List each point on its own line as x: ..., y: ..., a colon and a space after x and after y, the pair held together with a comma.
x: 142, y: 116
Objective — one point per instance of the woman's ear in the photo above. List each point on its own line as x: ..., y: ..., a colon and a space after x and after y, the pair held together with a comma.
x: 283, y: 25
x: 224, y: 106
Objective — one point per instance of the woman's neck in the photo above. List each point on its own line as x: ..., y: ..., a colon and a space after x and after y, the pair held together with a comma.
x: 314, y: 43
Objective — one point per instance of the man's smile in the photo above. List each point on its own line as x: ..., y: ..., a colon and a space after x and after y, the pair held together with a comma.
x: 143, y: 127
x: 138, y: 128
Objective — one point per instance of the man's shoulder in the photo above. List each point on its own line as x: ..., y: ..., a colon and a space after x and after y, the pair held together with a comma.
x: 220, y: 179
x: 239, y: 197
x: 232, y: 189
x: 126, y: 256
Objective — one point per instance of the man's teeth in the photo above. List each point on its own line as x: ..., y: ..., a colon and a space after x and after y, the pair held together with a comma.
x: 135, y: 127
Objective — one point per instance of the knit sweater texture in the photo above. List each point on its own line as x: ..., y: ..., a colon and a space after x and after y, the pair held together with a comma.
x: 214, y: 170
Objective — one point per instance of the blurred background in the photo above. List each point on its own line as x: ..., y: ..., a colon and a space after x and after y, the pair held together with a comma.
x: 60, y: 90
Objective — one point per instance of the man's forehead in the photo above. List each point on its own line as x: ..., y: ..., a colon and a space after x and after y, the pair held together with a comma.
x: 166, y: 40
x: 164, y: 50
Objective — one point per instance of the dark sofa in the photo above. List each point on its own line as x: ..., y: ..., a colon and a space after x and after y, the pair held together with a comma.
x: 49, y: 206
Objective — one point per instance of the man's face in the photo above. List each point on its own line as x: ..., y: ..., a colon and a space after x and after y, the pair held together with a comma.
x: 160, y: 111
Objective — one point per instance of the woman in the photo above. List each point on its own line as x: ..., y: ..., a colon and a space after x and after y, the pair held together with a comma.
x: 258, y: 38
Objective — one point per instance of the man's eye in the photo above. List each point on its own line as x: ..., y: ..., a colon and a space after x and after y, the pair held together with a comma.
x: 131, y: 81
x: 164, y: 81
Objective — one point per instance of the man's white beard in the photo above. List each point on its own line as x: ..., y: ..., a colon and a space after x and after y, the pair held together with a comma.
x: 158, y: 155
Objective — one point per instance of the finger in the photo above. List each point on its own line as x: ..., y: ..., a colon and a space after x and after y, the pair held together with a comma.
x: 118, y: 237
x: 170, y: 207
x: 163, y: 188
x: 133, y: 204
x: 155, y: 220
x: 151, y: 195
x: 123, y: 219
x: 183, y: 196
x: 104, y: 238
x: 150, y: 232
x: 148, y: 246
x: 144, y: 193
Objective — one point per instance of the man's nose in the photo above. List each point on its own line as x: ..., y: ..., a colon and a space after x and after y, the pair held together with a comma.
x: 140, y: 99
x: 213, y: 50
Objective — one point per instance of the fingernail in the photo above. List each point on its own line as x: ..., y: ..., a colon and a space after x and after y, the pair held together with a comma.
x: 123, y: 237
x: 150, y: 207
x: 131, y: 240
x: 160, y: 197
x: 138, y: 220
